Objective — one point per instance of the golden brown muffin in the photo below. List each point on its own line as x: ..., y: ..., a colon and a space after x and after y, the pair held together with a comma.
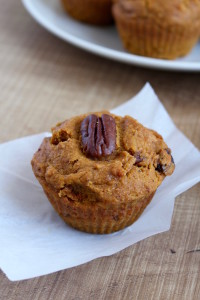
x: 157, y: 28
x: 100, y: 171
x: 97, y: 12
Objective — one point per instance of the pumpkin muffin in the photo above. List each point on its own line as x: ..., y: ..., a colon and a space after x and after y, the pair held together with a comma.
x: 100, y: 171
x: 157, y: 28
x: 97, y: 12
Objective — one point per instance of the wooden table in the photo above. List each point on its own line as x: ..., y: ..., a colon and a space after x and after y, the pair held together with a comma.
x: 43, y: 80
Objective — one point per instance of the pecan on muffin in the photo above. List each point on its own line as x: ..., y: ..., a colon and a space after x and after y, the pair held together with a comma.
x: 157, y: 28
x: 96, y: 12
x: 100, y: 171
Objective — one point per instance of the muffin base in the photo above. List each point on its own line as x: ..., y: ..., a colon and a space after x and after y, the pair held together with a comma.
x: 96, y: 217
x: 89, y: 11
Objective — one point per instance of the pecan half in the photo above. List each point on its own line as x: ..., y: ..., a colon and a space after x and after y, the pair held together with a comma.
x: 98, y: 135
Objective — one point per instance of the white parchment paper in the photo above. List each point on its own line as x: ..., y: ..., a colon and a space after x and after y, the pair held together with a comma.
x: 34, y: 240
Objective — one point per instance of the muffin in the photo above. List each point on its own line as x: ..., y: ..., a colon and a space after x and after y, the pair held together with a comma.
x: 100, y: 171
x: 97, y: 12
x: 157, y: 28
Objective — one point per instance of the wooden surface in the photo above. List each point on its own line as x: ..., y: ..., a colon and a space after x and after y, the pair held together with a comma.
x: 44, y: 80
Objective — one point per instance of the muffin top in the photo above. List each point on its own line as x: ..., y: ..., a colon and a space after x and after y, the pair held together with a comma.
x: 103, y: 157
x: 175, y: 11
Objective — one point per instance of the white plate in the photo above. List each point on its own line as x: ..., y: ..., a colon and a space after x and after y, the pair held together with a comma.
x: 101, y: 41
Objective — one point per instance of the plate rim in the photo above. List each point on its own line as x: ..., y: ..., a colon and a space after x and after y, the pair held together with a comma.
x: 116, y: 55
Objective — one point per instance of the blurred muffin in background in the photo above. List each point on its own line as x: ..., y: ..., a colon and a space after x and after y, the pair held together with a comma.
x: 97, y: 12
x: 157, y: 28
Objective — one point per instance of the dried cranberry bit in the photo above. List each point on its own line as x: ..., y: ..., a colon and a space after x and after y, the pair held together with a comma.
x: 138, y: 158
x: 159, y: 168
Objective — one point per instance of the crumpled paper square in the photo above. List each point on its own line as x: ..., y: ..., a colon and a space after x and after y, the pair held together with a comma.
x: 34, y: 240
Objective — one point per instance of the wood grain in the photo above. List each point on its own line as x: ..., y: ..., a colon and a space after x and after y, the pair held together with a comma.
x: 44, y: 80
